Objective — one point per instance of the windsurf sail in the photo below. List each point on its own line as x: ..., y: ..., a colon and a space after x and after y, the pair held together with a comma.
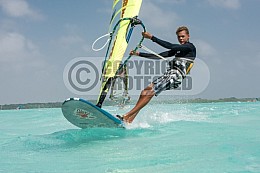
x: 123, y: 20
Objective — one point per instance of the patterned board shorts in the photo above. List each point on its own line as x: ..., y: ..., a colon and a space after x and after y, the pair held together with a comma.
x: 171, y: 79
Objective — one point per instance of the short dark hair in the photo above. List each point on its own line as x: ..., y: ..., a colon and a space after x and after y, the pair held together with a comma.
x: 182, y: 28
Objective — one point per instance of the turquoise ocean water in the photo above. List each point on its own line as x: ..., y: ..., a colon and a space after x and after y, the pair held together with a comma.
x: 197, y: 137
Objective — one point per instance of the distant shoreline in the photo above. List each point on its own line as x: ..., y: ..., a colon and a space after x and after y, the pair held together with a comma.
x: 109, y: 103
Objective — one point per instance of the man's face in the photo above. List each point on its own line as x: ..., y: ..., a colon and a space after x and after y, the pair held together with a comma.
x: 183, y: 37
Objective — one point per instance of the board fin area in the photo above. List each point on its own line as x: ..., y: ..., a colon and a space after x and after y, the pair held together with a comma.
x: 84, y: 114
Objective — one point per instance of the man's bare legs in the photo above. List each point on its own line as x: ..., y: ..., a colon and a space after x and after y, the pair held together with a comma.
x: 145, y: 96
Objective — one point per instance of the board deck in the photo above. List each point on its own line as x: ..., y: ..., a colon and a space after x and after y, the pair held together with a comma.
x: 84, y: 114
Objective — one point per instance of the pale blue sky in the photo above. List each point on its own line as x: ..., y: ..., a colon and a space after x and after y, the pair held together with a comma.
x: 39, y: 37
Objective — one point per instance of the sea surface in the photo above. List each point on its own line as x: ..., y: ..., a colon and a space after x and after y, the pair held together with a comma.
x: 164, y: 138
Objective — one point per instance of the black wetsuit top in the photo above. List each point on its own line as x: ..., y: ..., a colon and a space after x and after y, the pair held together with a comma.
x: 186, y: 50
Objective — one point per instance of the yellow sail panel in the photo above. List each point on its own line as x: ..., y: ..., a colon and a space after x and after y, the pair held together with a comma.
x: 133, y: 7
x: 130, y: 8
x: 119, y: 28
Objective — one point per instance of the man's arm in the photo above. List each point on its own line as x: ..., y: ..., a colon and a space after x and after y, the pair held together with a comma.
x: 175, y: 47
x: 152, y: 56
x: 162, y: 43
x: 166, y: 44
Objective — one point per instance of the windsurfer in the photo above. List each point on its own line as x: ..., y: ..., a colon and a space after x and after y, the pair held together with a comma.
x: 184, y: 53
